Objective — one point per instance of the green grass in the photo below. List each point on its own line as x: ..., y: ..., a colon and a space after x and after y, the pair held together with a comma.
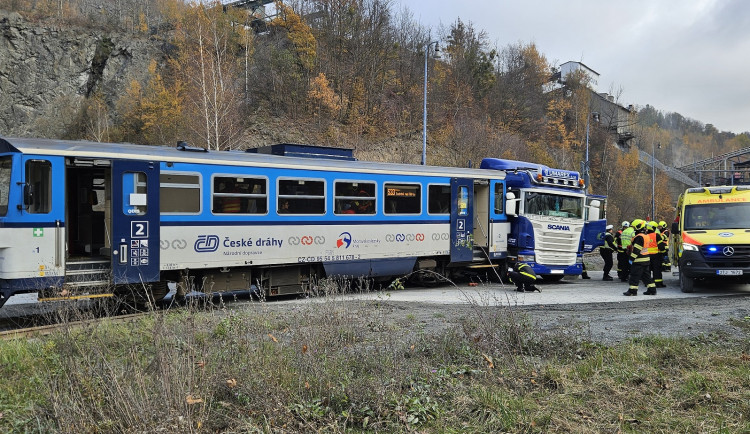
x: 339, y: 366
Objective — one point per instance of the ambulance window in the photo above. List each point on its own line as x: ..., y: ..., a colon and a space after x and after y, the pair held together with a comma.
x: 39, y: 182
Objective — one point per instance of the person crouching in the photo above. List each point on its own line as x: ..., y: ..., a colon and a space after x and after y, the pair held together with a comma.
x: 524, y: 277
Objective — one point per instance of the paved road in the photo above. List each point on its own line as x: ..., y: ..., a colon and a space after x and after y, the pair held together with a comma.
x: 576, y: 291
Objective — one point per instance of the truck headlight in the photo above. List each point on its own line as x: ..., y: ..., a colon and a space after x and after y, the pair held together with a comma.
x: 526, y: 258
x: 689, y: 247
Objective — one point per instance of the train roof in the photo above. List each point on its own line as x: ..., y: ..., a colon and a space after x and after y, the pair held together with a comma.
x: 128, y: 151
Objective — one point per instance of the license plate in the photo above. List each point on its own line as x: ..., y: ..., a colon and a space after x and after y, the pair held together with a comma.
x: 729, y: 272
x: 556, y: 271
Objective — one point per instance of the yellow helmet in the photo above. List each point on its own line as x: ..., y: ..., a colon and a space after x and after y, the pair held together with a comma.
x: 638, y: 224
x: 663, y: 224
x: 652, y: 225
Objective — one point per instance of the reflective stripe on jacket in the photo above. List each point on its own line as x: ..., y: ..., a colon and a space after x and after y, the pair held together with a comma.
x: 526, y: 270
x: 640, y: 249
x: 609, y: 242
x: 653, y: 243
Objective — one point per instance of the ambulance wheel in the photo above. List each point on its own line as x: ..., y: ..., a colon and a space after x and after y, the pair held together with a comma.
x: 686, y: 283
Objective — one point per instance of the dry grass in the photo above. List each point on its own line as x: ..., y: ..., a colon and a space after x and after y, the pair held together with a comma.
x: 337, y: 365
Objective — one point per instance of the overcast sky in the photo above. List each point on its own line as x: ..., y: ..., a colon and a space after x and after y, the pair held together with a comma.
x: 686, y: 56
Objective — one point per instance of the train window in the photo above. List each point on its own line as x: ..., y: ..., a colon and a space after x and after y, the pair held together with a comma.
x: 402, y: 198
x: 439, y: 199
x: 39, y: 180
x: 179, y: 193
x: 240, y: 195
x: 499, y: 198
x: 354, y: 197
x: 301, y: 196
x: 134, y: 193
x: 5, y: 166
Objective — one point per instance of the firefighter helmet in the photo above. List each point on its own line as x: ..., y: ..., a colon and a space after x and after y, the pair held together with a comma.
x: 638, y: 224
x: 663, y: 224
x: 652, y: 225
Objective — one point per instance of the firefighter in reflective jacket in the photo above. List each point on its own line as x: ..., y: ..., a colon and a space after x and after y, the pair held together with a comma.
x: 666, y: 265
x: 524, y: 277
x: 606, y: 252
x: 626, y: 238
x: 640, y: 260
x: 656, y: 251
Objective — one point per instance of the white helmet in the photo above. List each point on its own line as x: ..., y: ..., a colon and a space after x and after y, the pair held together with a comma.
x: 625, y: 224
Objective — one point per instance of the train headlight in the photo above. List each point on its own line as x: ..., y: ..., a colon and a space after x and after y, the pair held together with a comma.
x: 526, y: 258
x: 689, y: 247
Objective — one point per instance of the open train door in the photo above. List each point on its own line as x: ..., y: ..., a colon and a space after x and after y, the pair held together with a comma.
x: 462, y: 220
x: 135, y: 222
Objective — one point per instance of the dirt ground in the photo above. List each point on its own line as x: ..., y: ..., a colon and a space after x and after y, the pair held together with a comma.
x: 609, y: 323
x: 717, y: 309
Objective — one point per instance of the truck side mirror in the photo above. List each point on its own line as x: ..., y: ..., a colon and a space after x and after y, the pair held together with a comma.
x: 594, y: 210
x: 675, y: 228
x: 511, y: 204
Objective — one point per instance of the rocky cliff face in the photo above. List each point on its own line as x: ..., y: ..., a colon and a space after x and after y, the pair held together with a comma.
x: 47, y: 72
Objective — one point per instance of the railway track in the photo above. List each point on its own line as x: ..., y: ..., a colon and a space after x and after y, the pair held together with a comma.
x: 43, y: 330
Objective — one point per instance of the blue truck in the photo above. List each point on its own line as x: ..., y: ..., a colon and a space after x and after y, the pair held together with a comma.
x: 552, y: 219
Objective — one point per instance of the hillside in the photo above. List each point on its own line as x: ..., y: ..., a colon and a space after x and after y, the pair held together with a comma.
x: 350, y: 75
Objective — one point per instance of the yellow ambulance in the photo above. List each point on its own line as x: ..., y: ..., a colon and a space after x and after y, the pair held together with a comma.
x: 711, y: 235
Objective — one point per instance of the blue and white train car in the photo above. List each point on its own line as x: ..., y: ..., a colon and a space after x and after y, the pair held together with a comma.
x: 84, y: 218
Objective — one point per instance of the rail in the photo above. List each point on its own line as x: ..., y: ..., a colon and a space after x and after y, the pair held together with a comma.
x: 30, y: 332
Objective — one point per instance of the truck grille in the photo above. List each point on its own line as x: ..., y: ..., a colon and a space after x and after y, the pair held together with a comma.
x: 556, y: 247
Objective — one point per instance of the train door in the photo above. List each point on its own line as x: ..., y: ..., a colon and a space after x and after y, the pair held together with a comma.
x: 462, y: 220
x: 481, y: 214
x: 499, y: 225
x: 135, y: 222
x: 43, y: 213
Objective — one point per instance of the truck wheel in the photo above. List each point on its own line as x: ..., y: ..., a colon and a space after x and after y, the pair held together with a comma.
x: 686, y: 283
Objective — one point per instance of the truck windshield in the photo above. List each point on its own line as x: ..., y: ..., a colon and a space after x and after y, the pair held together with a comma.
x: 717, y: 216
x: 4, y: 184
x: 553, y: 205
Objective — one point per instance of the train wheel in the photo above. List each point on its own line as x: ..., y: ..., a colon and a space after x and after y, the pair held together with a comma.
x: 159, y: 290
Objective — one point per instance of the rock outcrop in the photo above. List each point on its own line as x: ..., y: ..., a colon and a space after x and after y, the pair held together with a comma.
x: 47, y: 72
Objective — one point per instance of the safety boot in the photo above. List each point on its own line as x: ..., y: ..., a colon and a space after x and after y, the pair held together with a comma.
x: 631, y: 291
x: 651, y: 290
